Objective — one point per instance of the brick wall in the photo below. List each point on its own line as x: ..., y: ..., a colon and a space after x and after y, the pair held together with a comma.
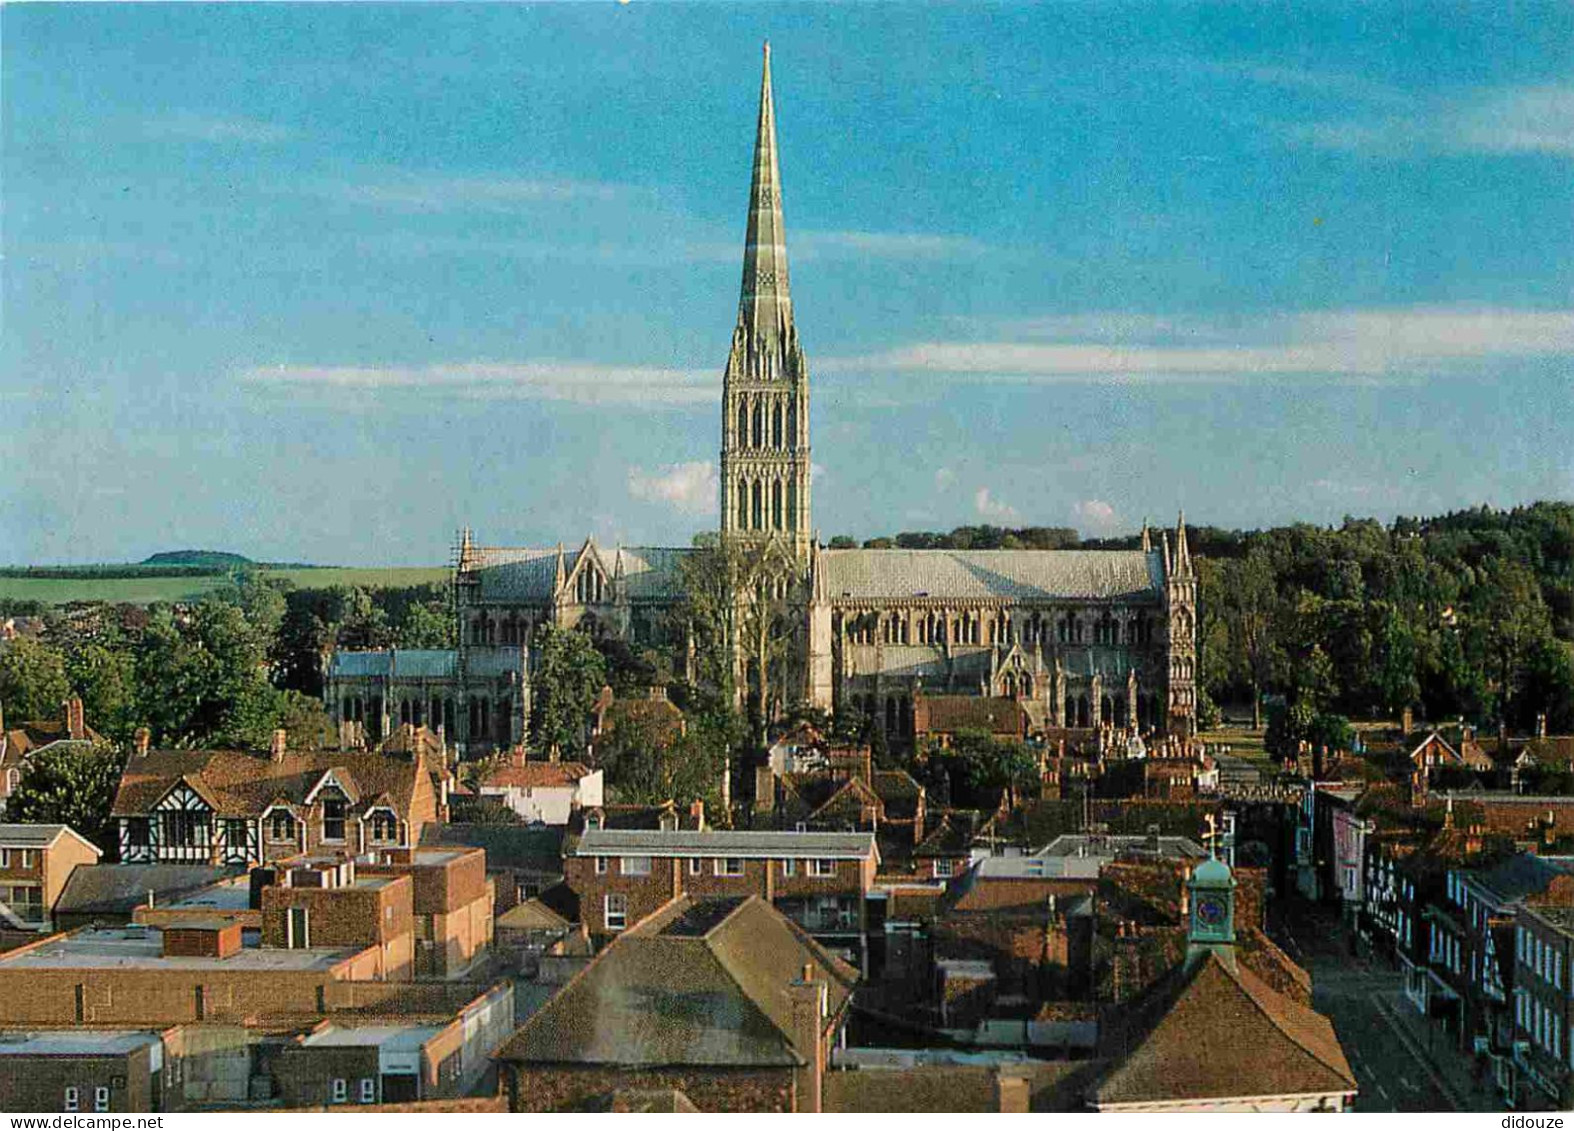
x: 439, y: 888
x: 305, y: 1073
x: 671, y: 877
x: 350, y: 916
x: 566, y: 1088
x: 39, y: 1083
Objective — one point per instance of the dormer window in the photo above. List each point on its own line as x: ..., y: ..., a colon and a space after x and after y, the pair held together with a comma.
x: 333, y: 809
x: 593, y: 823
x: 281, y: 825
x: 384, y: 827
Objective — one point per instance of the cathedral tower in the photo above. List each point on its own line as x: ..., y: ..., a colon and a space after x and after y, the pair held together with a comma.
x: 765, y: 390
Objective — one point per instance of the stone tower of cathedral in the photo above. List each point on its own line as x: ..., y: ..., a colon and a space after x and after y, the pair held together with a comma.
x: 765, y: 390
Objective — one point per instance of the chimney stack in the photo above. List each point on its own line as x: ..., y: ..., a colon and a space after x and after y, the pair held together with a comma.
x: 141, y: 740
x: 74, y: 724
x: 279, y: 745
x: 697, y: 812
x: 808, y: 1037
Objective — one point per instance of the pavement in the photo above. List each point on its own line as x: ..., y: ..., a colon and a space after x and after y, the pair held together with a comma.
x: 1401, y: 1062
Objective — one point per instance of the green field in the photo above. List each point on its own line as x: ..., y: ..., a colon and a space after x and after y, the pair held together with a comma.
x: 147, y: 590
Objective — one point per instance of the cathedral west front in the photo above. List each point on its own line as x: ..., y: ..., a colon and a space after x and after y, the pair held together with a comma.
x: 1082, y: 639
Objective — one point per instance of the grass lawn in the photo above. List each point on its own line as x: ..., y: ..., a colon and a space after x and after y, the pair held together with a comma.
x: 147, y: 590
x: 1242, y: 741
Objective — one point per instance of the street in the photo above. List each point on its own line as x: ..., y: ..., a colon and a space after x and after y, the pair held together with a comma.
x: 1401, y: 1063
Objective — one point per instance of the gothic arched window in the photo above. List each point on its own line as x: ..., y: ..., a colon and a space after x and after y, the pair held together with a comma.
x: 776, y: 498
x: 776, y: 425
x: 758, y: 507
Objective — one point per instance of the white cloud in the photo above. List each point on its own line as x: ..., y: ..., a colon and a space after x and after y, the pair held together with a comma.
x: 417, y: 193
x: 198, y: 127
x: 1537, y: 119
x: 881, y: 245
x: 1375, y: 344
x: 945, y: 478
x: 690, y: 487
x: 993, y: 508
x: 1096, y: 515
x: 574, y: 382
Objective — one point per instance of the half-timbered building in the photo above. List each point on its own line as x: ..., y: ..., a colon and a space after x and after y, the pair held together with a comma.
x: 239, y: 807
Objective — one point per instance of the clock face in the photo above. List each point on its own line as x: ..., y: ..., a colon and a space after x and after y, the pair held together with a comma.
x: 1211, y: 910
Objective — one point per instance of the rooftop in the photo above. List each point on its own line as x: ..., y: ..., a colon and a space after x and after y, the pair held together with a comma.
x: 1016, y: 574
x: 718, y: 842
x: 394, y: 1038
x: 142, y: 948
x: 75, y: 1042
x: 1109, y: 847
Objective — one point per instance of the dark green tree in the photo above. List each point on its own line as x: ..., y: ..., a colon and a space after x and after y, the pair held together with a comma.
x: 70, y: 785
x: 569, y: 675
x: 33, y: 681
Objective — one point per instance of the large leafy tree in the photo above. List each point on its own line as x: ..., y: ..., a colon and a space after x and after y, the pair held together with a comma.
x: 737, y: 608
x: 71, y: 785
x: 567, y: 677
x: 33, y: 681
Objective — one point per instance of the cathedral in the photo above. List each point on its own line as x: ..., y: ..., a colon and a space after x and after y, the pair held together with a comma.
x: 1081, y: 638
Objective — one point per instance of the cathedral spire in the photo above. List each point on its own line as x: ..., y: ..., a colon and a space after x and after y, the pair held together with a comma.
x: 1182, y: 553
x: 765, y: 309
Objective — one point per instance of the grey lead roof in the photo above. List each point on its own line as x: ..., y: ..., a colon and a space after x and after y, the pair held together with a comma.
x: 1018, y: 575
x: 718, y: 842
x: 423, y: 663
x: 28, y: 836
x: 528, y: 574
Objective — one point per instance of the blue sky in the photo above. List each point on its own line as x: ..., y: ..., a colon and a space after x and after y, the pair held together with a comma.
x: 328, y: 282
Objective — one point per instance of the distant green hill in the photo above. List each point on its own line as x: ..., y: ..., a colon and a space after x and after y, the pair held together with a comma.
x: 213, y: 559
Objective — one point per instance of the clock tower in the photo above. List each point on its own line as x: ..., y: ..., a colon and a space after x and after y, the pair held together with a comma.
x: 1211, y: 896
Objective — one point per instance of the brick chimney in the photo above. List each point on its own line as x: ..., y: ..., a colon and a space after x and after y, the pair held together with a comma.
x: 764, y: 788
x: 74, y: 724
x: 1013, y: 1091
x: 697, y: 814
x: 141, y: 740
x: 808, y: 999
x: 280, y: 743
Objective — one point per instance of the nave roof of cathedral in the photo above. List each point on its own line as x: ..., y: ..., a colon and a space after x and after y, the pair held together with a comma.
x: 1022, y: 575
x: 530, y: 573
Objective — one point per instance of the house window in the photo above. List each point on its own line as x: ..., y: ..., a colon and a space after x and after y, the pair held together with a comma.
x: 73, y: 1099
x: 601, y: 865
x: 635, y: 865
x: 615, y: 911
x: 100, y: 1099
x: 235, y: 833
x: 368, y: 1090
x: 281, y: 825
x: 940, y: 869
x: 822, y: 868
x: 789, y: 867
x: 729, y: 866
x: 385, y: 827
x: 180, y: 828
x: 5, y: 857
x: 696, y: 866
x: 137, y: 832
x: 341, y: 1090
x: 333, y: 818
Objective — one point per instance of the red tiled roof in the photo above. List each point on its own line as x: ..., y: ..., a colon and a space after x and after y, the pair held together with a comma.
x: 536, y: 775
